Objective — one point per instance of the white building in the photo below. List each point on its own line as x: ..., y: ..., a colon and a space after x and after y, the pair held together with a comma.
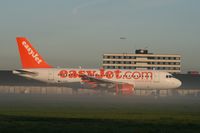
x: 143, y: 60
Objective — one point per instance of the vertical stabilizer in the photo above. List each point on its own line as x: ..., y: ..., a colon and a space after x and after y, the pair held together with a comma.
x: 30, y: 58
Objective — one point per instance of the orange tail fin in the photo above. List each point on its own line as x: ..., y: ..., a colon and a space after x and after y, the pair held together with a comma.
x: 30, y: 58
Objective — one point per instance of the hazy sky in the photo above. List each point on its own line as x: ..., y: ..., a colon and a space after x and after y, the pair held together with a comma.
x: 77, y: 32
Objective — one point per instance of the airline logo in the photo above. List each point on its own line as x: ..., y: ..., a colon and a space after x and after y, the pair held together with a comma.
x: 118, y: 74
x: 30, y: 51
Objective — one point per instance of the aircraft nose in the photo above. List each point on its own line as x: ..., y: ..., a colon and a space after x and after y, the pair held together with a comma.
x: 178, y: 83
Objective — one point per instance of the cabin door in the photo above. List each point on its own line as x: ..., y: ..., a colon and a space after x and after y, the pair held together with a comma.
x: 156, y: 77
x: 51, y: 75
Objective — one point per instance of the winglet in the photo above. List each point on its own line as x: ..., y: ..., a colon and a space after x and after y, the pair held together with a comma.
x: 30, y: 58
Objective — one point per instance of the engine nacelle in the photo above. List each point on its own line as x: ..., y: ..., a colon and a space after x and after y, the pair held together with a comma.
x: 124, y: 89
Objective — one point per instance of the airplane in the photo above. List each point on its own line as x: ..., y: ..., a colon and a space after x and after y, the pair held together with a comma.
x: 118, y: 81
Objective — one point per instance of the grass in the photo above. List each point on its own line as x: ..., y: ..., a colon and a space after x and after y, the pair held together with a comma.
x: 96, y: 115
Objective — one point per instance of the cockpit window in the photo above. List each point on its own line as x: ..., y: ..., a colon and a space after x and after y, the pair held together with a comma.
x: 169, y: 76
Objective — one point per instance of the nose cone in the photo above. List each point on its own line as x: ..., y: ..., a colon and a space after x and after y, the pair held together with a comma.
x: 177, y: 83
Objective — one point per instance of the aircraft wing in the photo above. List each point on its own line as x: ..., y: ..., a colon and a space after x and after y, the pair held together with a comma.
x: 98, y: 80
x: 117, y: 87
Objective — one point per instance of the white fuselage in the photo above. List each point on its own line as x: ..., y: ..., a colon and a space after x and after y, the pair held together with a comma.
x: 140, y: 79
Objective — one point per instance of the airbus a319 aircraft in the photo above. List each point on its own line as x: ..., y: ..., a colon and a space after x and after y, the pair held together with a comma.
x: 114, y: 80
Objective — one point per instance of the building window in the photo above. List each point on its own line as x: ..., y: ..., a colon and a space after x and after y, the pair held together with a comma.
x: 151, y: 58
